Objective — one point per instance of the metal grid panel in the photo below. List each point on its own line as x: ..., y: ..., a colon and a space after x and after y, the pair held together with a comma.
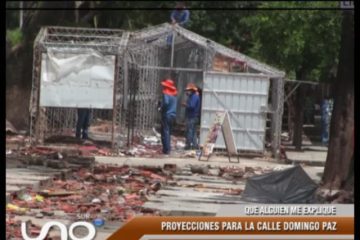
x: 47, y: 121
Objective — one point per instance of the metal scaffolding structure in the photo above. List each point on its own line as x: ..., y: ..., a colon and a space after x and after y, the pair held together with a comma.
x: 47, y: 121
x: 143, y: 59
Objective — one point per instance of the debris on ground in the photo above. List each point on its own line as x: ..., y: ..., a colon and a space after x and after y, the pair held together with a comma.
x: 200, y: 169
x: 231, y: 173
x: 13, y: 228
x: 156, y: 133
x: 214, y: 172
x: 151, y: 140
x: 343, y: 197
x: 334, y: 196
x: 180, y: 145
x: 170, y: 167
x: 283, y: 153
x: 10, y: 129
x: 103, y: 199
x: 190, y: 153
x: 15, y: 208
x: 101, y: 126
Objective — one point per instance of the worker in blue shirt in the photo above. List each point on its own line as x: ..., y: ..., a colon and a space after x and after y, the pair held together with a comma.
x: 326, y: 110
x: 192, y: 114
x: 180, y: 15
x: 168, y: 113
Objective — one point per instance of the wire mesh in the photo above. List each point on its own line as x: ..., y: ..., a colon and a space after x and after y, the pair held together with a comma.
x: 48, y: 121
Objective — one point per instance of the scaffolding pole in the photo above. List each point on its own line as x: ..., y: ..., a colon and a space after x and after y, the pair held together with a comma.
x: 172, y: 49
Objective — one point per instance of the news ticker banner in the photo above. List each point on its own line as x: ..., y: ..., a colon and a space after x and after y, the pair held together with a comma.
x: 253, y: 221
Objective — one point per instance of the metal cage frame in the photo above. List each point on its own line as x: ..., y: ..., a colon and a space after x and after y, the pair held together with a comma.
x: 144, y: 57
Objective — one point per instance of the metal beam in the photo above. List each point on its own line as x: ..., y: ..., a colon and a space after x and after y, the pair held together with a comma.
x: 301, y: 81
x: 110, y: 37
x: 172, y: 68
x: 114, y: 102
x: 237, y: 92
x: 292, y: 91
x: 77, y: 29
x: 172, y: 49
x: 126, y: 81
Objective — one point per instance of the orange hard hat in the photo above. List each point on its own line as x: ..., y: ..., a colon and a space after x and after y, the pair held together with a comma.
x: 168, y: 83
x: 169, y: 87
x: 191, y: 86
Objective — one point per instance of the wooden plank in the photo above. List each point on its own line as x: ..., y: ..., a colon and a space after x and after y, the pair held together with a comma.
x: 221, y: 121
x: 228, y: 136
x: 212, y: 135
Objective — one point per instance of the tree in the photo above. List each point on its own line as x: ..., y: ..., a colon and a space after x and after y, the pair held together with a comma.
x: 339, y: 167
x: 224, y: 26
x: 302, y: 42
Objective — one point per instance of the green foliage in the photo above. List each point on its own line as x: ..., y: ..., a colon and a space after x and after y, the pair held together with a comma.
x: 223, y: 26
x: 304, y: 41
x: 293, y: 40
x: 14, y: 36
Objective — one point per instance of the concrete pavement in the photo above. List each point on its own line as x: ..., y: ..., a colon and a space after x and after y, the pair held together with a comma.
x: 215, y: 162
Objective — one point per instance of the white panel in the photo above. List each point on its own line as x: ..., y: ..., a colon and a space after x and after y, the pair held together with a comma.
x: 249, y: 93
x: 77, y: 80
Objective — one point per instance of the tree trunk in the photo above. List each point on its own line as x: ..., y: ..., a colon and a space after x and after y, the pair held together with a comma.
x: 76, y: 10
x: 21, y: 14
x: 290, y: 120
x: 349, y: 182
x: 299, y: 113
x: 341, y: 145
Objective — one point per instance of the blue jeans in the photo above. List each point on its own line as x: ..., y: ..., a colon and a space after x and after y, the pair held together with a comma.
x: 166, y: 128
x: 82, y: 122
x: 325, y: 124
x: 191, y: 138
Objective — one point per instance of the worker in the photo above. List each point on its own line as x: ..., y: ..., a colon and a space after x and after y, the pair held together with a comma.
x: 82, y: 123
x: 168, y: 113
x: 192, y: 114
x: 180, y: 15
x: 326, y: 110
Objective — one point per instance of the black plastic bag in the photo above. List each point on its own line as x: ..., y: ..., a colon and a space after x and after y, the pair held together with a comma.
x: 291, y: 185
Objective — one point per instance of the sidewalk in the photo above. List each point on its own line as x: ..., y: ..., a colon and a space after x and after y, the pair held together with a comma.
x: 215, y: 162
x: 311, y: 154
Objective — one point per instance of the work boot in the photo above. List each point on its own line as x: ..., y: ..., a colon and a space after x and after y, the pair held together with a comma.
x: 166, y: 155
x: 85, y: 135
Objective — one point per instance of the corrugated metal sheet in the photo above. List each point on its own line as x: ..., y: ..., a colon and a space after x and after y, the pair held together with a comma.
x: 245, y: 97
